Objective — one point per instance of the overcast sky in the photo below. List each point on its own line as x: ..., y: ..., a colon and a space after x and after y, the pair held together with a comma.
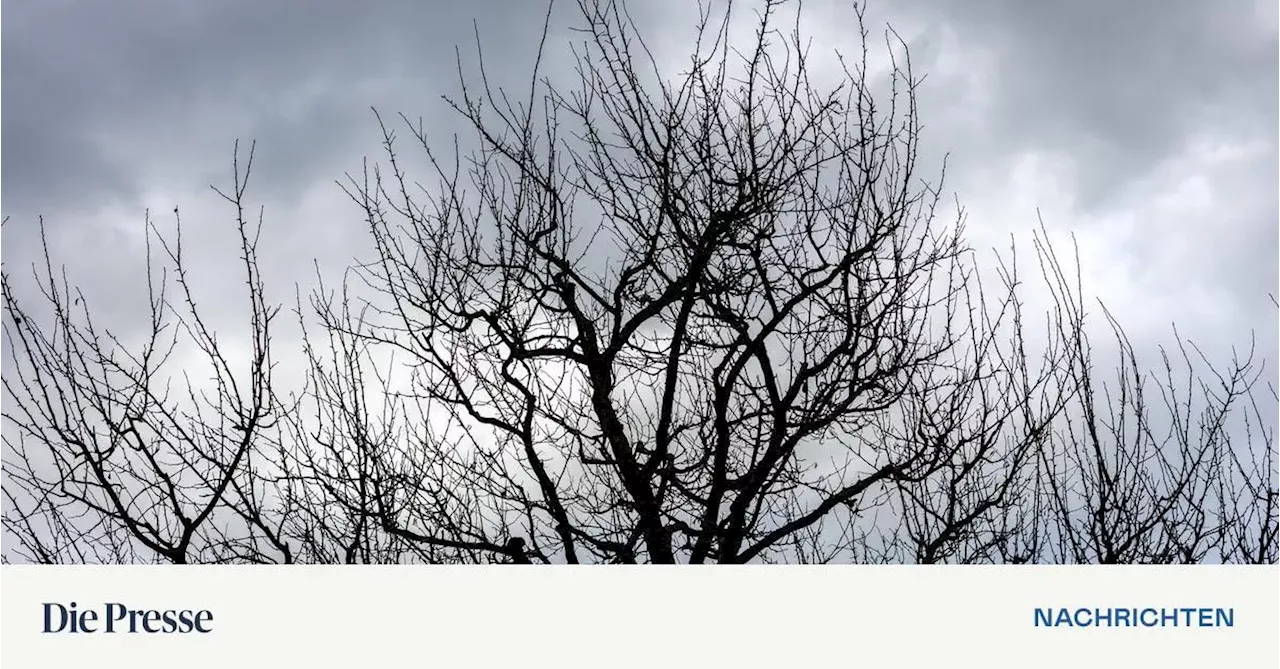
x: 1146, y: 127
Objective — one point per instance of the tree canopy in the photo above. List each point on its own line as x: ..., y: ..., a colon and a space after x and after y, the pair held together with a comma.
x: 716, y: 316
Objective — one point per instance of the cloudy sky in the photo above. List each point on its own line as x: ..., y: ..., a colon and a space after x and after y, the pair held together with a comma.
x: 1148, y: 128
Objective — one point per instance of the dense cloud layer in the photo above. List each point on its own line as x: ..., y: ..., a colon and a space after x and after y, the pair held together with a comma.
x: 1143, y: 128
x: 1147, y: 128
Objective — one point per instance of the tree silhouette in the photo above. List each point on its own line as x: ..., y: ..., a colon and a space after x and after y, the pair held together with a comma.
x: 709, y: 318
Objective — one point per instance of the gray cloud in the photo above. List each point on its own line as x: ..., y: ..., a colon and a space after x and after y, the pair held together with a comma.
x: 165, y: 78
x: 1146, y: 126
x: 1119, y: 85
x: 114, y: 107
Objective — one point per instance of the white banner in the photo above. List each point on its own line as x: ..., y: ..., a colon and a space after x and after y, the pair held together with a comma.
x: 654, y: 617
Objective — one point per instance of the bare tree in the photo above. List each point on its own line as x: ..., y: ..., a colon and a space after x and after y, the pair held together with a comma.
x: 1149, y: 467
x: 734, y: 351
x: 117, y: 464
x: 706, y: 318
x: 1247, y: 485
